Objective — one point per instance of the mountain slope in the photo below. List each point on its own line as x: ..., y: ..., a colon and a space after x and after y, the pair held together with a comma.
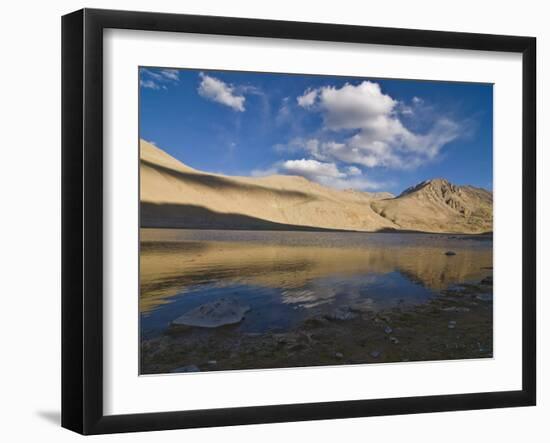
x: 439, y: 206
x: 177, y: 196
x: 174, y: 195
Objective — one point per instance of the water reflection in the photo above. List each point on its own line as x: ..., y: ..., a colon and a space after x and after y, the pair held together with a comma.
x: 284, y: 274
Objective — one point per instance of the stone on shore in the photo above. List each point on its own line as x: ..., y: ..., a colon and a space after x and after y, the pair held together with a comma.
x: 188, y: 368
x: 456, y: 309
x: 214, y: 314
x: 340, y: 314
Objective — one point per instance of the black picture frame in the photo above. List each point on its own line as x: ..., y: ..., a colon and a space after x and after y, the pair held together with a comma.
x: 82, y: 219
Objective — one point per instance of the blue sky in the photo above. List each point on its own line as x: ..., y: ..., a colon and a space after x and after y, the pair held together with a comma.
x: 345, y: 132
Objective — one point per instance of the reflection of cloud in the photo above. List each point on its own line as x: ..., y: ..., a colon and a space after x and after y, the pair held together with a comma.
x: 308, y: 298
x: 324, y: 291
x: 304, y: 270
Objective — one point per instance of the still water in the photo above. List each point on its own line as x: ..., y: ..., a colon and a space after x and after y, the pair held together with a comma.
x: 286, y: 277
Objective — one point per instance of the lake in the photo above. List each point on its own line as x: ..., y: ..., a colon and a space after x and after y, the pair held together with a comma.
x: 298, y: 283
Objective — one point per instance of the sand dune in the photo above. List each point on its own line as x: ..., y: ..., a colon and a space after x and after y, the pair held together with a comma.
x: 177, y: 196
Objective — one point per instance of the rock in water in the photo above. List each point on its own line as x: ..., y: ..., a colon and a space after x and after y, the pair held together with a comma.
x: 214, y: 314
x: 450, y: 253
x: 487, y: 281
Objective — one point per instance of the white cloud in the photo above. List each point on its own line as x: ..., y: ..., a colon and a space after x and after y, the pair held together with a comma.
x: 154, y: 78
x: 283, y: 114
x: 352, y: 107
x: 404, y: 109
x: 149, y: 84
x: 380, y: 138
x: 312, y: 169
x: 308, y: 98
x: 324, y: 173
x: 353, y: 170
x: 218, y: 91
x: 265, y: 172
x: 171, y: 74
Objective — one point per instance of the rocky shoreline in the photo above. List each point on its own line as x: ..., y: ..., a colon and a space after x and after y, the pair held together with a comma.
x: 456, y: 324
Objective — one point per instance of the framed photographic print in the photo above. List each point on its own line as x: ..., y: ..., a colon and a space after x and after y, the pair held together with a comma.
x: 270, y: 221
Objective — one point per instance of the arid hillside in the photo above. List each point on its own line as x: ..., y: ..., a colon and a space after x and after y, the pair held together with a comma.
x: 439, y: 206
x: 176, y: 196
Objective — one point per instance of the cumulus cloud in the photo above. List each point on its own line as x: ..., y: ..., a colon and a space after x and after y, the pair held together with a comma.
x: 312, y: 169
x: 324, y: 173
x: 218, y: 91
x: 379, y: 137
x: 308, y: 98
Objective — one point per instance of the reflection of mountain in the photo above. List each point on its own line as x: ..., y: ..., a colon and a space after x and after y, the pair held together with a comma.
x: 167, y: 268
x: 177, y: 196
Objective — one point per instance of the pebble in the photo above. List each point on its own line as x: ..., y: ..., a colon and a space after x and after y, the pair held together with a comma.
x: 212, y: 362
x: 388, y: 330
x: 297, y: 347
x: 452, y: 324
x: 342, y: 313
x: 456, y: 309
x: 375, y: 354
x: 188, y: 368
x: 394, y: 340
x: 484, y: 297
x: 339, y: 355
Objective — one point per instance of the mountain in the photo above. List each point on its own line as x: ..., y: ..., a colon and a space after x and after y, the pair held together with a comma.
x: 174, y: 195
x: 440, y: 206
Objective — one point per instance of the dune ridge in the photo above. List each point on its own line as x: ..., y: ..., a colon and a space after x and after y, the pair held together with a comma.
x: 173, y: 195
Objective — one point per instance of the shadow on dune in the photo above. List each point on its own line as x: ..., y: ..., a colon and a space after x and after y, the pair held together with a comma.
x: 196, y: 217
x: 220, y: 183
x: 178, y: 216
